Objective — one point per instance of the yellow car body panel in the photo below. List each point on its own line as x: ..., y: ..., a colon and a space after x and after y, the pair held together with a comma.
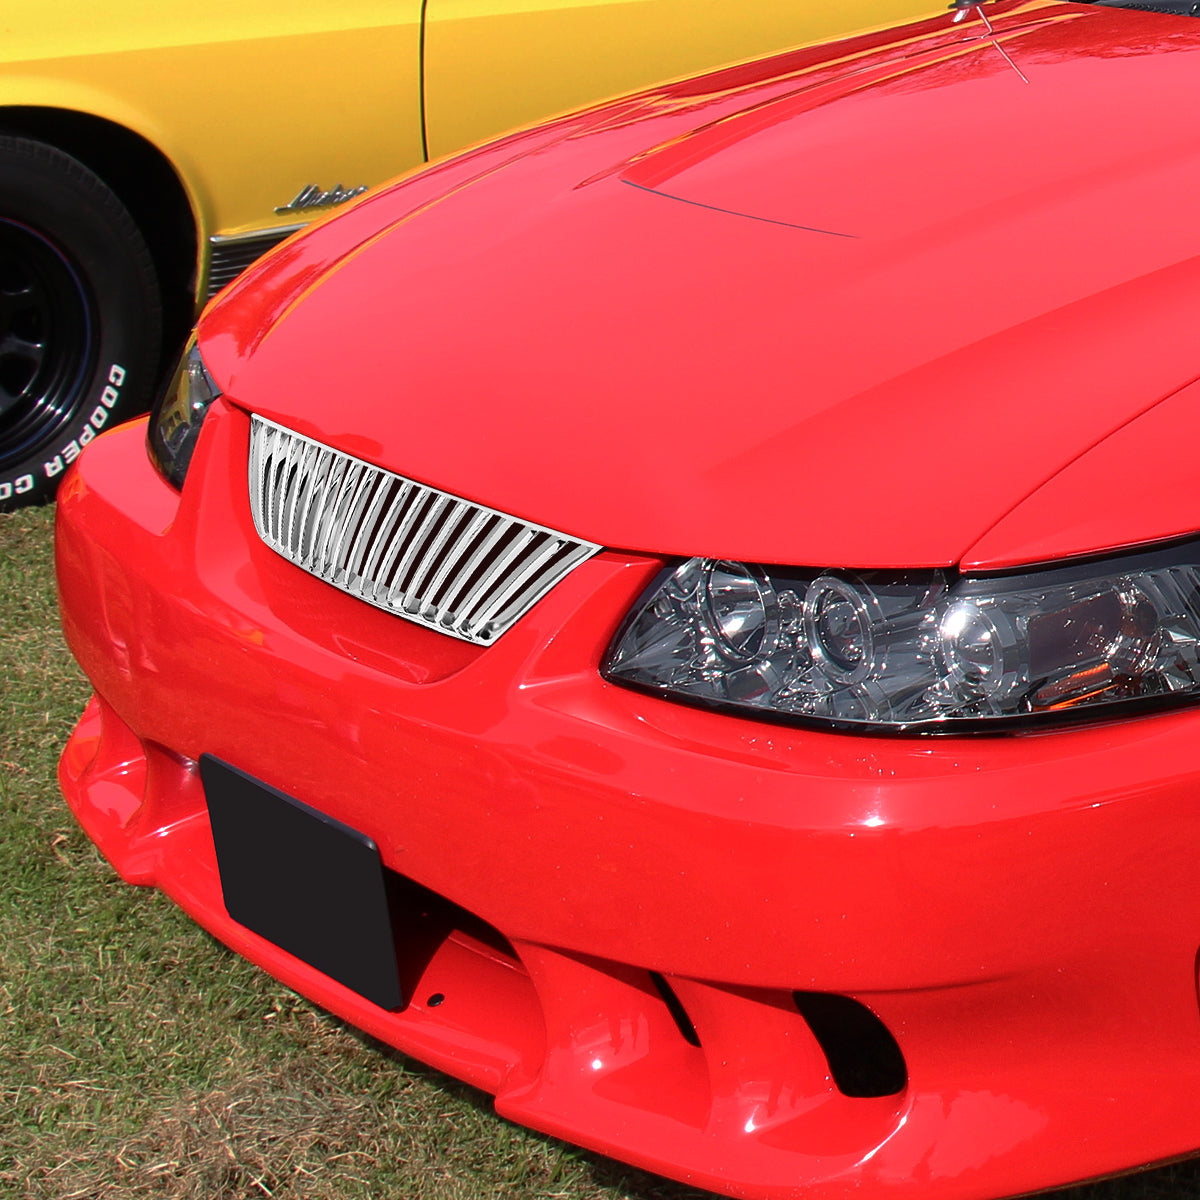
x: 491, y: 65
x: 149, y: 152
x: 249, y: 102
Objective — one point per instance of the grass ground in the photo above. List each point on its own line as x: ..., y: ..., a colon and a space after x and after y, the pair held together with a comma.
x: 139, y: 1058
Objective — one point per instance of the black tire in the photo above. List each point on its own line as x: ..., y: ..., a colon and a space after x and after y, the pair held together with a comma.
x: 80, y: 316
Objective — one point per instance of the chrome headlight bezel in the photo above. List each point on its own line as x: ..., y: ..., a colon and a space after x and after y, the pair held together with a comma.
x: 934, y: 651
x: 178, y: 414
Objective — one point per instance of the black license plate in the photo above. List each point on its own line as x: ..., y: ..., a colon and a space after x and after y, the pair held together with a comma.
x: 300, y: 879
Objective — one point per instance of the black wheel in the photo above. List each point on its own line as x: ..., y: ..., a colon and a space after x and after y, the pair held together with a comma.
x: 80, y: 316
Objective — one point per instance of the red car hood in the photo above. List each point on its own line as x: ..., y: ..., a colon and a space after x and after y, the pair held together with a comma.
x: 841, y: 309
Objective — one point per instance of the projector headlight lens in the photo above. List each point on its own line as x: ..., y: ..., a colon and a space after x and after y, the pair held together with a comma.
x: 919, y: 650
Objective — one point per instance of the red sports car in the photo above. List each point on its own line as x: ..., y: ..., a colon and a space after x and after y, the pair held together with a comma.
x: 688, y: 617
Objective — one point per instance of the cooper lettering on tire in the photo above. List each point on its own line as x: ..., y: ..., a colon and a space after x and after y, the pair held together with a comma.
x: 80, y: 316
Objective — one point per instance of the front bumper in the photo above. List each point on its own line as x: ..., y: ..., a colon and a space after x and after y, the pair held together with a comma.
x: 1021, y: 912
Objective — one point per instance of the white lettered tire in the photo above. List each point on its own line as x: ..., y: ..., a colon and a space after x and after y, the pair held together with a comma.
x: 80, y: 317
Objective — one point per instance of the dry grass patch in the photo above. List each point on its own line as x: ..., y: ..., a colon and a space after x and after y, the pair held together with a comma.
x: 261, y: 1136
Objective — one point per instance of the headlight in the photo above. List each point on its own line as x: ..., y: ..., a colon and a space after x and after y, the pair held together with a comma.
x: 178, y: 414
x: 927, y: 650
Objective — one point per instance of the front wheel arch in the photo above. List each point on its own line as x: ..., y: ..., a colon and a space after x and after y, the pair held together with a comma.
x: 146, y: 182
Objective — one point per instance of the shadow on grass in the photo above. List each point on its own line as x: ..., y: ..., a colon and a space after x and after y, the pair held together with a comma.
x: 1177, y: 1181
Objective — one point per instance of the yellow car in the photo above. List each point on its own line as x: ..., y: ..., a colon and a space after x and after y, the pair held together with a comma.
x: 149, y: 152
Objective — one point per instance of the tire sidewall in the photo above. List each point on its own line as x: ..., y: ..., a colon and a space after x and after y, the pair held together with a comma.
x: 66, y: 204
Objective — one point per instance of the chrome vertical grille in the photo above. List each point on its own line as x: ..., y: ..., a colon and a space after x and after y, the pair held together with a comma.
x: 423, y: 554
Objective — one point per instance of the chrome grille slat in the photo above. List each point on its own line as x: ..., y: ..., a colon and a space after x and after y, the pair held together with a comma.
x: 477, y: 519
x: 512, y: 586
x: 364, y: 538
x: 534, y: 580
x: 428, y: 556
x: 431, y: 556
x: 341, y: 513
x: 293, y: 506
x: 387, y: 544
x: 508, y: 556
x: 310, y: 514
x: 410, y: 563
x: 461, y: 584
x: 274, y: 472
x: 258, y: 485
x: 412, y: 509
x: 355, y: 502
x: 326, y: 531
x: 284, y: 495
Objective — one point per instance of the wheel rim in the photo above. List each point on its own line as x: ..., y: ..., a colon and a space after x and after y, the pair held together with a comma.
x: 46, y: 340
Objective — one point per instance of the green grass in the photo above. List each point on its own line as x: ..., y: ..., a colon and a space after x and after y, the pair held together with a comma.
x: 139, y: 1058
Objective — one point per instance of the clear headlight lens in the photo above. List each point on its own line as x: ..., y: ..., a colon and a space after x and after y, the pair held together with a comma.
x: 178, y: 414
x: 918, y: 650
